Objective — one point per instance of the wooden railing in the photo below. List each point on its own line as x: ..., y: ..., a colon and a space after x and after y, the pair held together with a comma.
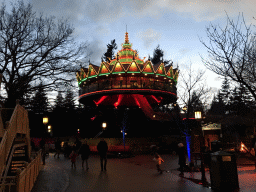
x: 27, y: 177
x: 17, y: 124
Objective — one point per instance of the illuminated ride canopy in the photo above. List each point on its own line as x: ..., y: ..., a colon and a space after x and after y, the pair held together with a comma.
x: 129, y: 81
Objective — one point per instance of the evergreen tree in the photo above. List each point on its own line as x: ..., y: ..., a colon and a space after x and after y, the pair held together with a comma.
x: 69, y: 101
x: 109, y: 55
x: 217, y: 105
x: 39, y: 103
x: 158, y: 57
x: 59, y: 102
x: 241, y: 102
x: 225, y: 91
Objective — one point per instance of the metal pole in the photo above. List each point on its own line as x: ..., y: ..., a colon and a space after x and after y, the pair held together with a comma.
x: 203, y: 178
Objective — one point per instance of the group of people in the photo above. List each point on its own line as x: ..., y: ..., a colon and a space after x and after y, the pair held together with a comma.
x: 83, y: 149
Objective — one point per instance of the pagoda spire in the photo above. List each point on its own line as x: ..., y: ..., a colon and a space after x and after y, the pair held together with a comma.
x: 126, y: 44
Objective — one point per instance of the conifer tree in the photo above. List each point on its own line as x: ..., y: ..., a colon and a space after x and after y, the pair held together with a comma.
x: 59, y: 102
x: 39, y: 103
x: 69, y: 101
x: 158, y: 57
x: 109, y: 55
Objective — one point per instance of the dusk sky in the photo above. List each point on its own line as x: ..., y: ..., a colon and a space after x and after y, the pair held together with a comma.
x: 175, y: 25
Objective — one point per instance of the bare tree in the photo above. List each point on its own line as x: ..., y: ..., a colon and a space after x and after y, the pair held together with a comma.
x: 232, y: 52
x: 36, y: 49
x: 193, y: 88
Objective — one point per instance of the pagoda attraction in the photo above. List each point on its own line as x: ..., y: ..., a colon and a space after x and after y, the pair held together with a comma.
x: 128, y: 81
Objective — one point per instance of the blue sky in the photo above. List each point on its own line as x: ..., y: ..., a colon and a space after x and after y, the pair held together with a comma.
x: 175, y: 25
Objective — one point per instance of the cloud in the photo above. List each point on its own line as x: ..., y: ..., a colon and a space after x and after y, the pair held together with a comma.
x: 183, y: 51
x: 97, y: 49
x: 149, y: 36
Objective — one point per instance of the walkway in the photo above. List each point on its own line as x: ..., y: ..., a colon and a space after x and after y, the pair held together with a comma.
x: 121, y: 175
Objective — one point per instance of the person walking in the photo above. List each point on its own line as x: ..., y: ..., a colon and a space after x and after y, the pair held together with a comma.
x: 73, y: 157
x: 85, y: 152
x: 57, y: 147
x: 182, y: 158
x: 42, y: 146
x: 158, y: 161
x: 102, y: 148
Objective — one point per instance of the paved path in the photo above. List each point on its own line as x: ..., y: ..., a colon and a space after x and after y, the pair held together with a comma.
x: 121, y: 175
x: 130, y: 174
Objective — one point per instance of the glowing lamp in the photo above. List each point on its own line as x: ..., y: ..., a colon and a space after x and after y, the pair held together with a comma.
x: 104, y: 125
x: 125, y: 133
x: 198, y: 115
x: 49, y: 127
x: 45, y: 120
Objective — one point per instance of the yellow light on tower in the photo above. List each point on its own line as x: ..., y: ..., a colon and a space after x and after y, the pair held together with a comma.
x: 45, y: 120
x: 198, y: 115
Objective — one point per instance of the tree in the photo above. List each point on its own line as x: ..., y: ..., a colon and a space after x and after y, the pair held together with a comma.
x: 35, y: 48
x: 158, y: 57
x: 217, y: 106
x: 39, y: 103
x: 192, y: 84
x: 241, y: 102
x: 59, y: 103
x: 232, y: 52
x: 109, y: 55
x: 69, y: 101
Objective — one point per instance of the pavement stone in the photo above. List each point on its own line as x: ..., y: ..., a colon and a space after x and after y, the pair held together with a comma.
x: 51, y: 178
x: 57, y: 175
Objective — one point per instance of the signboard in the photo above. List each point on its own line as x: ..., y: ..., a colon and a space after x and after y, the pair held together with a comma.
x: 226, y: 158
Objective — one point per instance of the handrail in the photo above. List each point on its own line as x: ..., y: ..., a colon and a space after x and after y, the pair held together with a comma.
x: 17, y: 124
x: 9, y: 162
x: 27, y: 177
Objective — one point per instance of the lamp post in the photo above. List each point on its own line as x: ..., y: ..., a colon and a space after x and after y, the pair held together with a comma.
x: 104, y: 126
x: 198, y: 116
x: 50, y: 130
x: 45, y: 121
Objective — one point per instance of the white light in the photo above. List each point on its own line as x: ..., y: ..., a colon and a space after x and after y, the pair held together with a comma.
x: 154, y: 116
x: 121, y: 131
x: 132, y: 73
x: 125, y: 133
x: 78, y: 129
x: 49, y: 127
x: 198, y: 115
x: 104, y: 125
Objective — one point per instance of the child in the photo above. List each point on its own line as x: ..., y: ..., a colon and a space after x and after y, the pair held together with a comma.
x: 158, y: 160
x: 73, y: 156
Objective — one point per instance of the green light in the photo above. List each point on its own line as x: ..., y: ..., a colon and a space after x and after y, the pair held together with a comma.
x: 104, y: 74
x: 92, y: 76
x: 118, y: 72
x: 133, y: 72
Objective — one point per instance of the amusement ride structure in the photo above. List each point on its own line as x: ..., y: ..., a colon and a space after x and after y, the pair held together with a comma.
x: 128, y: 81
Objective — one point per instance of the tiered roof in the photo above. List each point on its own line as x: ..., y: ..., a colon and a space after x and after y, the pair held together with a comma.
x: 127, y: 61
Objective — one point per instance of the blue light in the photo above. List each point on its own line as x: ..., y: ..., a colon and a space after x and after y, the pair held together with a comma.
x: 188, y: 141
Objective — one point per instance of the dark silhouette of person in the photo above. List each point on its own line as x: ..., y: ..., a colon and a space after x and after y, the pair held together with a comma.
x: 57, y: 147
x: 182, y: 158
x: 102, y: 148
x: 85, y: 152
x: 42, y: 146
x: 78, y: 144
